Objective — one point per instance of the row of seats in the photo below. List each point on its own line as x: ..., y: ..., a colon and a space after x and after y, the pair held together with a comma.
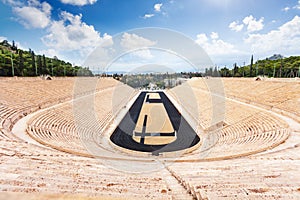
x: 24, y: 96
x: 255, y: 177
x: 234, y: 130
x: 228, y: 129
x: 275, y: 94
x: 27, y: 168
x: 270, y: 173
x: 74, y: 125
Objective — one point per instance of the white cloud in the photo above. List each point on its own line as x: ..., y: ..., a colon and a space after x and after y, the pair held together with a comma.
x: 148, y: 16
x: 138, y: 44
x: 133, y: 41
x: 286, y: 9
x: 285, y: 40
x: 46, y: 8
x: 71, y: 34
x: 157, y: 7
x: 12, y: 2
x: 49, y: 53
x: 214, y: 35
x: 253, y: 24
x: 20, y: 46
x: 2, y: 38
x: 143, y: 53
x: 34, y: 14
x: 79, y: 2
x: 235, y: 26
x: 201, y: 39
x: 215, y: 46
x: 32, y: 17
x: 297, y: 6
x: 33, y: 3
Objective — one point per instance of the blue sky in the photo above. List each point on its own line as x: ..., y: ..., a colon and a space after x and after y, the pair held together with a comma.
x: 228, y: 30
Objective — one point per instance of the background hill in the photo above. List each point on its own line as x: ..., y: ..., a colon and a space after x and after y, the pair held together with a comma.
x: 18, y: 62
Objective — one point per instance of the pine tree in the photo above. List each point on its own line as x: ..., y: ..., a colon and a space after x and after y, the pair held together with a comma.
x: 281, y: 66
x: 251, y: 66
x: 21, y: 63
x: 215, y: 72
x: 235, y: 69
x: 14, y: 47
x: 33, y: 63
x: 45, y: 70
x: 39, y: 65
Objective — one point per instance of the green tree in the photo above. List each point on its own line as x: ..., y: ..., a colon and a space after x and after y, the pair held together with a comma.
x: 251, y: 66
x: 39, y: 65
x: 224, y: 72
x: 235, y: 70
x: 14, y: 47
x: 215, y: 72
x: 33, y: 64
x: 44, y: 66
x: 21, y: 64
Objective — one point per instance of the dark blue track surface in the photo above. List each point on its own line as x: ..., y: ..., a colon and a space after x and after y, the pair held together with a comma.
x: 186, y: 136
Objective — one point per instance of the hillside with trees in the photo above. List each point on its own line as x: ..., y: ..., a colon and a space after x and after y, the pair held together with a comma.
x: 274, y: 66
x: 18, y: 62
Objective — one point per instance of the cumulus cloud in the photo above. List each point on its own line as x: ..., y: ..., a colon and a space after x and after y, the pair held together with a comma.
x: 253, y: 24
x: 214, y: 45
x: 235, y: 26
x: 34, y: 14
x: 71, y: 33
x: 134, y: 42
x: 79, y: 2
x: 157, y: 7
x: 287, y: 39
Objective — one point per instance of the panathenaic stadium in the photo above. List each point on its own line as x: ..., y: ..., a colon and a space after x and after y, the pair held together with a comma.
x: 97, y: 138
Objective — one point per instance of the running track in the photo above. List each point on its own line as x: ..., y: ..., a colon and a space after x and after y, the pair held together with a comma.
x: 186, y: 136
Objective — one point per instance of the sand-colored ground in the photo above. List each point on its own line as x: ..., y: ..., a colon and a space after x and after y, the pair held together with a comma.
x: 157, y: 122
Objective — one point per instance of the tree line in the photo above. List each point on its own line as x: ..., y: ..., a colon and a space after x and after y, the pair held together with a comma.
x: 279, y: 68
x: 18, y: 62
